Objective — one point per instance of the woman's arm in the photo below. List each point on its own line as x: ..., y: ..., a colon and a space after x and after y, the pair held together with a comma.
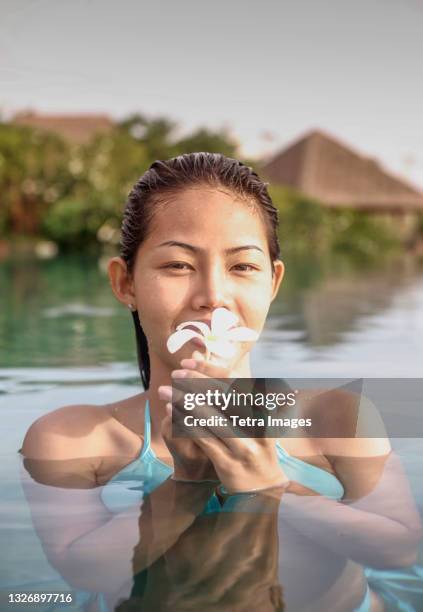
x: 376, y: 523
x: 381, y: 529
x: 92, y: 548
x: 96, y: 550
x: 140, y: 536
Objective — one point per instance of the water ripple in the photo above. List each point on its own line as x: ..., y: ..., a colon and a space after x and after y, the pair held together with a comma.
x: 77, y: 309
x: 24, y: 380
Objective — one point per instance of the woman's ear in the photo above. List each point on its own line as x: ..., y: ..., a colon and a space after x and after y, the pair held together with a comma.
x: 121, y: 281
x: 279, y: 271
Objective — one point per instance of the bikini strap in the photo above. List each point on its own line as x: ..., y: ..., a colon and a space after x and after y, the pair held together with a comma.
x: 147, y: 426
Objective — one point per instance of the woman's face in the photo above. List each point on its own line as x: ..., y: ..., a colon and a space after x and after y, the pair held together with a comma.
x: 173, y: 283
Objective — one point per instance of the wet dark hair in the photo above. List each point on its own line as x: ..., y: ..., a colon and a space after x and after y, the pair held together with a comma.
x: 166, y: 178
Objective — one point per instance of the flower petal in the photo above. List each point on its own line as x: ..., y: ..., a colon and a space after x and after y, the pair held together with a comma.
x: 221, y: 347
x: 178, y: 339
x: 203, y: 327
x: 242, y: 334
x: 222, y: 320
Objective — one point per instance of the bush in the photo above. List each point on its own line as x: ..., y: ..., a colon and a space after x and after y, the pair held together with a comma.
x: 307, y: 226
x: 74, y: 222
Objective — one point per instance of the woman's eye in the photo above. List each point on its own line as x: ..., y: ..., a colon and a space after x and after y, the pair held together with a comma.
x: 178, y: 265
x: 251, y: 268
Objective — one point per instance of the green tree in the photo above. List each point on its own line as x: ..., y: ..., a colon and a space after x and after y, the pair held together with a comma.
x: 157, y: 135
x: 204, y: 139
x: 105, y: 169
x: 34, y: 174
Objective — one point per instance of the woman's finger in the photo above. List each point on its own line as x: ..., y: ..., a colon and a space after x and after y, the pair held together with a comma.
x: 215, y: 368
x: 211, y: 424
x: 183, y: 381
x: 214, y: 448
x: 177, y: 409
x: 170, y: 394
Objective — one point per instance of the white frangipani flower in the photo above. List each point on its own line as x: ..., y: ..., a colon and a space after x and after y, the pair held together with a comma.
x: 219, y: 339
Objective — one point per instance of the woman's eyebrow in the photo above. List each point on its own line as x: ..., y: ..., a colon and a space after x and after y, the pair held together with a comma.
x: 194, y: 249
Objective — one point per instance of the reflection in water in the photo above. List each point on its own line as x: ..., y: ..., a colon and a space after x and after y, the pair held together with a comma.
x: 338, y: 303
x: 176, y: 550
x: 57, y: 313
x: 62, y: 312
x: 225, y: 561
x: 330, y: 304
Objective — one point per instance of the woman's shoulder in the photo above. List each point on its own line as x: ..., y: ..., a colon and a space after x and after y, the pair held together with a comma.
x: 345, y: 423
x: 64, y: 433
x: 78, y: 431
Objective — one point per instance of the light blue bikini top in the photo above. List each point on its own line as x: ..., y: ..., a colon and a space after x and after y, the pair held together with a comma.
x: 147, y: 472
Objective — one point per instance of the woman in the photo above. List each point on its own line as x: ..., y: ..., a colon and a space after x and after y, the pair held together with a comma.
x: 199, y: 235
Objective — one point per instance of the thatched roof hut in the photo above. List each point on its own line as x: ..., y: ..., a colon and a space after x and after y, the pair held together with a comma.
x: 321, y: 167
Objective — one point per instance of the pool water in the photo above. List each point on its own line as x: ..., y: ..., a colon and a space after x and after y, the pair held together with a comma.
x: 65, y: 340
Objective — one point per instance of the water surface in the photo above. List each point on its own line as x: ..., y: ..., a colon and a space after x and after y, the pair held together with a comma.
x: 64, y: 339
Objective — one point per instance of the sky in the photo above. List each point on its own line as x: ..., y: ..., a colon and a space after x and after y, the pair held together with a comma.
x: 267, y: 71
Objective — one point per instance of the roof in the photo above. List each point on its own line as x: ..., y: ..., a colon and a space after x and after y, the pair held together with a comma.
x: 322, y: 167
x: 78, y: 129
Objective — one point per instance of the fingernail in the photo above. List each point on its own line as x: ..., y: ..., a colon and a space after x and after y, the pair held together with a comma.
x: 198, y: 356
x: 189, y: 363
x: 179, y: 374
x: 165, y: 392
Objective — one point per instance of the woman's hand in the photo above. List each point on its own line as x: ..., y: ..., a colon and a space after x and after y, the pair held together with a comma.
x: 240, y: 463
x: 190, y: 462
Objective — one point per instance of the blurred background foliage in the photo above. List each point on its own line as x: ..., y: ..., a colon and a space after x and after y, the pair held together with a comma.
x: 74, y: 194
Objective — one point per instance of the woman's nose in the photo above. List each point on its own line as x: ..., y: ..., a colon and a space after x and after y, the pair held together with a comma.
x: 212, y: 290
